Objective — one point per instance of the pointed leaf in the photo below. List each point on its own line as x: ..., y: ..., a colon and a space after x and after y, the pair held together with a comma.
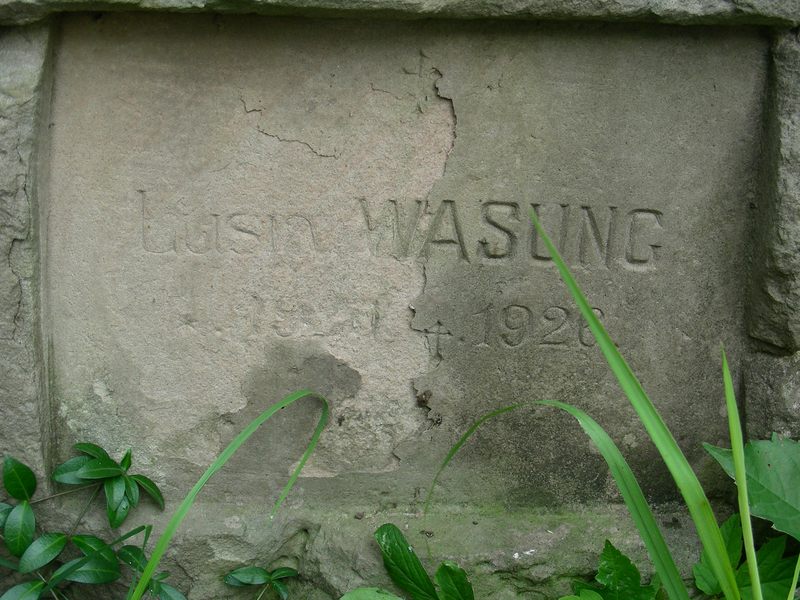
x: 126, y: 461
x: 68, y: 472
x: 133, y: 556
x: 114, y: 489
x: 704, y: 577
x: 453, y: 583
x: 90, y: 545
x: 369, y: 594
x: 131, y: 491
x: 30, y: 590
x: 93, y: 571
x: 5, y: 510
x: 92, y: 450
x: 776, y: 572
x: 619, y: 577
x: 150, y: 488
x: 402, y: 564
x: 168, y: 592
x: 247, y: 576
x: 19, y: 528
x: 99, y: 468
x: 42, y: 551
x: 283, y: 573
x: 18, y: 479
x: 117, y: 516
x: 281, y: 588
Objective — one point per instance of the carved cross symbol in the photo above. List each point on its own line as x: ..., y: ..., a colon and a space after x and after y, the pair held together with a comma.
x: 434, y: 337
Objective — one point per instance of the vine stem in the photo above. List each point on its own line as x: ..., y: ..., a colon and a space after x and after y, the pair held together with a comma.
x: 83, y: 487
x: 85, y: 508
x: 263, y: 591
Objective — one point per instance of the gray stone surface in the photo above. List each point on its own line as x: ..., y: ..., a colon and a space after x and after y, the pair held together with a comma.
x: 23, y: 53
x: 739, y: 12
x: 775, y: 309
x: 772, y: 394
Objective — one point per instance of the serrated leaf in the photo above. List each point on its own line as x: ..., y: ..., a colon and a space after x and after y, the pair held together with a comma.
x: 247, y: 576
x: 43, y: 550
x: 99, y: 468
x: 133, y: 556
x: 704, y: 577
x: 30, y: 590
x: 18, y: 479
x: 126, y: 461
x: 68, y: 472
x: 19, y: 528
x: 117, y: 516
x: 167, y: 592
x: 150, y: 488
x: 619, y: 577
x: 92, y: 450
x: 773, y: 480
x: 131, y: 491
x: 5, y: 510
x: 453, y: 582
x: 776, y: 572
x: 369, y: 594
x: 283, y: 573
x: 402, y: 564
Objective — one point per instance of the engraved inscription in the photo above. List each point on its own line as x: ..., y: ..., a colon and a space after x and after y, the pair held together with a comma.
x: 603, y: 237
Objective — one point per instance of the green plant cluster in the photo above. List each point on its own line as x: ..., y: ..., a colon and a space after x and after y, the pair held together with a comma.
x: 30, y: 552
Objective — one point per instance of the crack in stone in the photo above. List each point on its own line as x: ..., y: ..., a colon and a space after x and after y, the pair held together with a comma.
x: 294, y: 141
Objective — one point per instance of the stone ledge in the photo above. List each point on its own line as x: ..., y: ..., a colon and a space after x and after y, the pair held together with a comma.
x: 785, y: 13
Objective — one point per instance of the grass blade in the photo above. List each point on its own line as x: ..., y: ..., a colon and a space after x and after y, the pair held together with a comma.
x: 634, y: 500
x: 737, y: 449
x: 793, y: 587
x: 183, y: 509
x: 699, y: 508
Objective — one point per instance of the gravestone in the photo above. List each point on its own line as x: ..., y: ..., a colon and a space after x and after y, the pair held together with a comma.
x: 235, y: 207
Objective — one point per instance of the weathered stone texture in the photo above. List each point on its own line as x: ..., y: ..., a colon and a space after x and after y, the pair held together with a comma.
x: 774, y: 12
x: 23, y: 54
x: 772, y: 395
x: 775, y: 310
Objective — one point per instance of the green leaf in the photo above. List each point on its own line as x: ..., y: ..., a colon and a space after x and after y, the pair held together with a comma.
x: 704, y: 577
x: 117, y: 504
x: 222, y: 459
x: 5, y: 510
x: 773, y: 480
x: 18, y: 479
x: 150, y: 488
x: 281, y: 588
x: 283, y: 573
x: 126, y: 461
x: 117, y: 516
x: 168, y: 592
x: 133, y: 556
x: 247, y: 576
x: 90, y: 545
x: 585, y: 595
x: 42, y: 551
x: 619, y: 577
x: 68, y: 472
x: 776, y: 572
x: 131, y: 491
x: 680, y: 469
x: 453, y: 583
x: 369, y: 594
x: 19, y: 528
x: 93, y: 571
x: 402, y: 564
x: 99, y: 468
x: 92, y: 450
x: 7, y: 564
x: 30, y: 590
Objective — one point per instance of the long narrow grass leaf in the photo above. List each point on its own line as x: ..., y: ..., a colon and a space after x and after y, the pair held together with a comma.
x: 686, y: 480
x: 457, y: 446
x: 183, y: 509
x: 635, y: 501
x: 796, y: 576
x: 737, y: 448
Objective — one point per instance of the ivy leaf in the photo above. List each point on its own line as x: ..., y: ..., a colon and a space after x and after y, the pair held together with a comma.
x: 133, y: 556
x: 150, y: 488
x: 704, y: 577
x: 68, y: 472
x: 18, y: 479
x: 99, y: 468
x: 773, y: 480
x: 776, y: 572
x: 453, y: 582
x: 368, y: 594
x: 19, y: 527
x: 167, y: 592
x: 247, y: 576
x: 42, y: 551
x: 30, y: 590
x: 619, y: 578
x: 402, y: 563
x: 92, y: 450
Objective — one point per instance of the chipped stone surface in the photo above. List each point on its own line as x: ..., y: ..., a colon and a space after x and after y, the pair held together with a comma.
x: 23, y: 54
x: 761, y: 12
x: 772, y: 395
x: 775, y: 309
